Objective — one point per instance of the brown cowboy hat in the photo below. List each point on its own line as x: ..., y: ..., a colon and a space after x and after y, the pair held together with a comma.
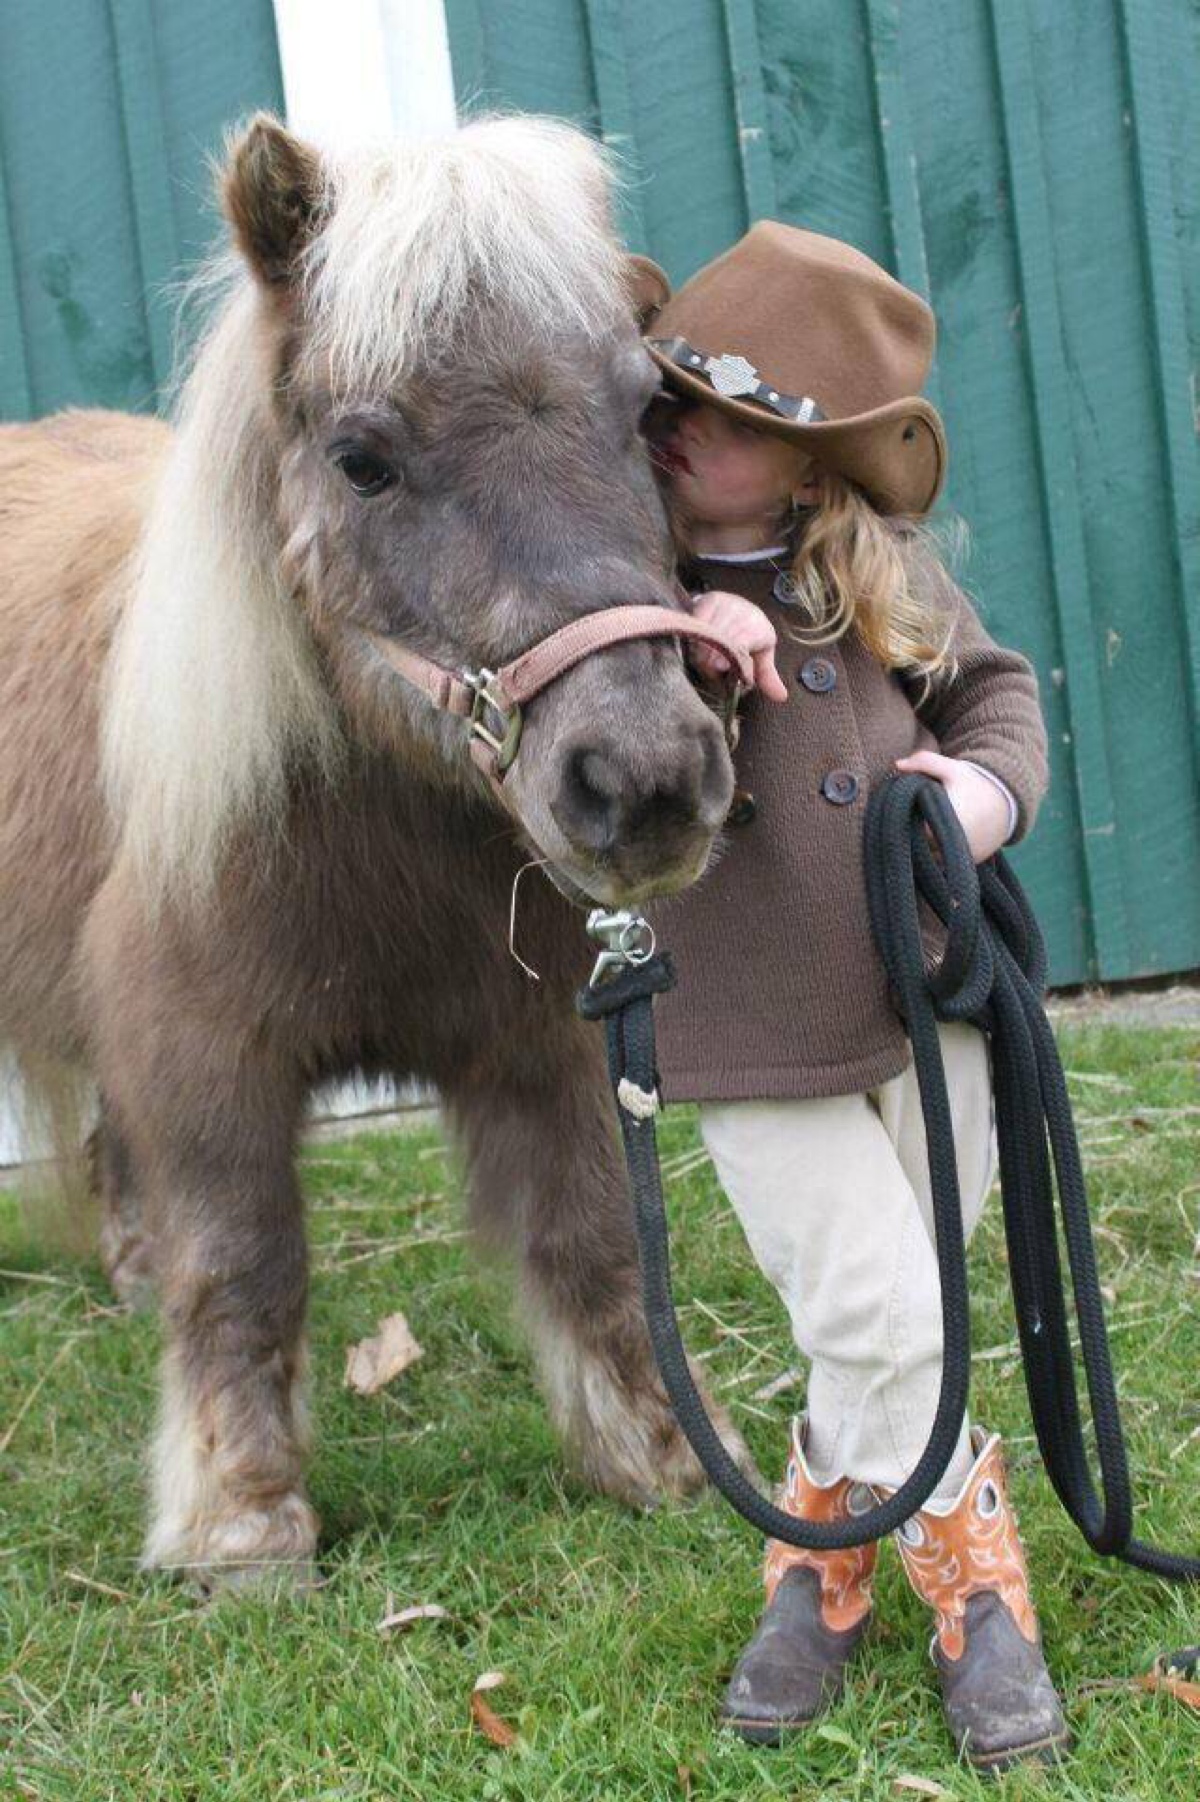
x: 805, y: 337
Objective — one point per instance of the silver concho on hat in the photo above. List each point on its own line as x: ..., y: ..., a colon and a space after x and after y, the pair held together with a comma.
x: 732, y: 375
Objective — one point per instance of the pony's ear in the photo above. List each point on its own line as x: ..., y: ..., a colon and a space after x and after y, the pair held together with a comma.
x: 647, y: 287
x: 272, y: 194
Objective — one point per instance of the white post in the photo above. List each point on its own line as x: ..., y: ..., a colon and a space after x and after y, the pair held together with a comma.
x: 361, y: 70
x: 420, y: 76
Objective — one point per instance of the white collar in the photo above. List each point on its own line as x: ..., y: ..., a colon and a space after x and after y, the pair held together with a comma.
x: 774, y: 550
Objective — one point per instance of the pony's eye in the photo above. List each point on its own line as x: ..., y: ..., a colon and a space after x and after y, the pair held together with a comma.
x: 366, y: 473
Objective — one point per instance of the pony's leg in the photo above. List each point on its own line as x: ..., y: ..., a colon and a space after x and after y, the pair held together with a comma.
x: 126, y: 1251
x: 547, y: 1183
x: 232, y: 1438
x: 210, y: 1137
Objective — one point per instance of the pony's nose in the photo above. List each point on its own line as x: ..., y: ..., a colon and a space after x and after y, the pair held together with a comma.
x: 604, y: 805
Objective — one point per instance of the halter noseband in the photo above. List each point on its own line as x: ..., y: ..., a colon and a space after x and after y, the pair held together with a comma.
x: 476, y: 695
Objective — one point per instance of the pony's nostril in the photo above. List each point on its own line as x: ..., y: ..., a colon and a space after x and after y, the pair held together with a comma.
x: 675, y: 798
x: 588, y: 805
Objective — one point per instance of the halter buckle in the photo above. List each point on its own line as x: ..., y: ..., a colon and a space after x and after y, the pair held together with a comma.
x: 504, y: 749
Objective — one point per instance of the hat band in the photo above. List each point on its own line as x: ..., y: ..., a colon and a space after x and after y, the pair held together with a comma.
x: 735, y: 379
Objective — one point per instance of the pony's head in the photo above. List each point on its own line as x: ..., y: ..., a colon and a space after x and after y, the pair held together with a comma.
x: 415, y: 416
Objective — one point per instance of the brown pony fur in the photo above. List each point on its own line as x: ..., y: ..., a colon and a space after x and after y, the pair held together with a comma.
x: 296, y: 873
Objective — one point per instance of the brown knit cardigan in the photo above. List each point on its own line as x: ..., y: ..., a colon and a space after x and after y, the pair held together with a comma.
x: 781, y: 992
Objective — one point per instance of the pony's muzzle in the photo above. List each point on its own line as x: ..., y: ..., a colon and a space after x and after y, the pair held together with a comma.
x: 649, y: 828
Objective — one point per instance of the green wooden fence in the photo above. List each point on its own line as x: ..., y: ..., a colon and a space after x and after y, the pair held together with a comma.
x: 108, y: 112
x: 1033, y: 168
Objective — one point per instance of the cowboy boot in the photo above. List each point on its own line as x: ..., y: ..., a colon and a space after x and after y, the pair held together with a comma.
x: 818, y: 1609
x: 965, y: 1559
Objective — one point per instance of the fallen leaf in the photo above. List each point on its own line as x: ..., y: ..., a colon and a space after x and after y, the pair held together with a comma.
x: 1160, y: 1679
x: 924, y: 1786
x: 372, y: 1363
x: 395, y: 1621
x: 489, y: 1723
x: 1166, y: 1676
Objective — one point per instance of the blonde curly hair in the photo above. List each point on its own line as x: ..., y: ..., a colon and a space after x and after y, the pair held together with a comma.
x: 887, y: 578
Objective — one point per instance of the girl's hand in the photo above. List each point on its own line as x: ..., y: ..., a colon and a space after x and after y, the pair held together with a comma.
x: 981, y: 807
x: 749, y: 627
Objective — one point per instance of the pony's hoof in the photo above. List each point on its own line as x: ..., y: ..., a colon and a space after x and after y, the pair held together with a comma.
x: 262, y: 1582
x: 686, y: 1475
x: 258, y: 1549
x: 630, y: 1445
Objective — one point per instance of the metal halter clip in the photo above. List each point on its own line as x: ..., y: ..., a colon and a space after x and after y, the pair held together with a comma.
x: 627, y: 938
x: 480, y: 682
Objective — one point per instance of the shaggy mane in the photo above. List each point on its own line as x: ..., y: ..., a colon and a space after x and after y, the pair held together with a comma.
x: 517, y: 209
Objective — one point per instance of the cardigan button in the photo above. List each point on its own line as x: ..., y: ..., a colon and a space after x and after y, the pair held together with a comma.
x: 818, y: 675
x: 840, y: 787
x: 742, y: 808
x: 785, y: 588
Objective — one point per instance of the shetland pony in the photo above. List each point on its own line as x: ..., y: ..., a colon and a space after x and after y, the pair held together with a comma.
x: 241, y: 856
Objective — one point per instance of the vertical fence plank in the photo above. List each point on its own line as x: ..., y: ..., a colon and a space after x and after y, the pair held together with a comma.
x: 750, y: 108
x: 1172, y: 361
x: 609, y: 45
x: 1063, y: 520
x: 16, y: 396
x: 818, y: 83
x: 896, y: 148
x: 149, y: 171
x: 16, y: 387
x: 898, y: 156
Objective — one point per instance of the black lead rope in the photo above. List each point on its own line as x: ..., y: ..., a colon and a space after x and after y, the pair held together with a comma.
x: 991, y: 973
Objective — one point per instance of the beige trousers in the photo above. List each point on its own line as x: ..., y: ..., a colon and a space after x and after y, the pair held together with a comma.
x: 833, y: 1196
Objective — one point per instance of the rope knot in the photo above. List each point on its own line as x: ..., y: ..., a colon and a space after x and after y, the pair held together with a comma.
x: 643, y: 1104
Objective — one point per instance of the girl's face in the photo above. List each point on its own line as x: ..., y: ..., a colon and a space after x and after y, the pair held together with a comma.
x: 721, y: 472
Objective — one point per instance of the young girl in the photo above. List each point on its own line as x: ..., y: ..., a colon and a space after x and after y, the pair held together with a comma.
x: 797, y: 458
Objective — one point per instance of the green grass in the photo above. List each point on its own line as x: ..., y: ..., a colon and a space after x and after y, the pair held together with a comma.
x: 615, y: 1630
